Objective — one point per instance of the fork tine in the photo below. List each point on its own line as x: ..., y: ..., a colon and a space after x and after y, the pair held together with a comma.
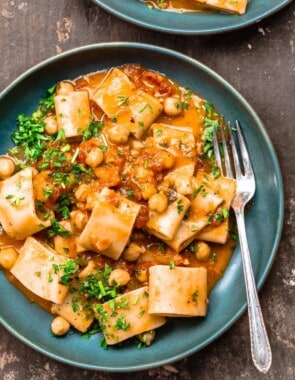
x: 227, y: 162
x: 216, y: 150
x: 235, y: 153
x: 244, y: 152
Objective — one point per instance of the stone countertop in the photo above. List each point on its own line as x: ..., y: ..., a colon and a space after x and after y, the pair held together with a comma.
x: 259, y: 61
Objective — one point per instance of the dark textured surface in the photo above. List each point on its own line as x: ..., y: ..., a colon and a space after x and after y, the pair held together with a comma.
x: 259, y: 62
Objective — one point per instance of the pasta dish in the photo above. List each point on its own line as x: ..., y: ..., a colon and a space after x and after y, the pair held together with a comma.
x: 114, y: 215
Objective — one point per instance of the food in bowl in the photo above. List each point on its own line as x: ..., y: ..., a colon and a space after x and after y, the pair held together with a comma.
x: 115, y: 216
x: 227, y: 6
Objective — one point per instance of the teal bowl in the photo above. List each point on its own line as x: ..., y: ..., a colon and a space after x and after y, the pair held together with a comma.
x: 137, y: 12
x: 180, y: 337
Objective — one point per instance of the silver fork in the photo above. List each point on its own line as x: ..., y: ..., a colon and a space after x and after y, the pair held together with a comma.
x: 260, y: 347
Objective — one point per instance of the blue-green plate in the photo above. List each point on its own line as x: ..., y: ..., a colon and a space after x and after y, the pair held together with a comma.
x: 137, y: 12
x: 180, y: 337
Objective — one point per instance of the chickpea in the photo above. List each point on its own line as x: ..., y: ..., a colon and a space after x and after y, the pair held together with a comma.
x: 119, y: 276
x: 168, y: 160
x: 94, y: 157
x: 8, y: 257
x: 158, y: 202
x: 64, y: 88
x: 91, y: 199
x: 148, y: 190
x: 7, y: 167
x: 203, y: 251
x: 172, y: 106
x: 60, y: 326
x: 79, y: 219
x: 80, y: 192
x: 51, y: 125
x: 118, y: 134
x: 141, y: 275
x: 133, y: 251
x: 147, y: 337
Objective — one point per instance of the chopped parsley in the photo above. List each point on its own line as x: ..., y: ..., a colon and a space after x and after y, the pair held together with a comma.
x: 95, y: 328
x: 211, y: 122
x: 122, y: 323
x: 63, y: 206
x: 162, y: 247
x: 179, y: 206
x: 95, y: 285
x: 215, y: 171
x: 123, y: 100
x: 129, y: 193
x: 93, y: 130
x: 30, y: 136
x: 146, y: 106
x: 193, y: 247
x: 69, y: 269
x: 221, y: 215
x: 47, y: 102
x: 195, y: 296
x: 184, y: 106
x: 57, y: 229
x: 14, y: 200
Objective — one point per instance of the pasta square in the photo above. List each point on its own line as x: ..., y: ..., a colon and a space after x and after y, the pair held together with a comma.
x: 110, y: 225
x: 73, y: 113
x: 120, y: 100
x: 127, y: 316
x: 177, y: 291
x: 17, y: 207
x: 231, y: 6
x: 36, y: 268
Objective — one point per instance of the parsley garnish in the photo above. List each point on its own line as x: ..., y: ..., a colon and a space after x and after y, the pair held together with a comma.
x: 129, y: 193
x: 123, y: 100
x: 193, y: 247
x: 179, y: 206
x: 195, y: 296
x: 96, y: 285
x: 93, y: 130
x: 62, y: 206
x: 14, y: 200
x: 215, y: 171
x: 30, y: 136
x: 69, y: 269
x: 162, y: 247
x: 57, y: 229
x: 184, y: 106
x: 122, y: 324
x: 47, y: 102
x: 95, y: 328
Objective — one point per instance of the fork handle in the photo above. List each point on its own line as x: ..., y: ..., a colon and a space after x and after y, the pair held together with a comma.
x: 260, y: 346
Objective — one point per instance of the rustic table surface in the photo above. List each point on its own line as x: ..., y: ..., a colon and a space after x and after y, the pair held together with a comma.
x: 259, y: 61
